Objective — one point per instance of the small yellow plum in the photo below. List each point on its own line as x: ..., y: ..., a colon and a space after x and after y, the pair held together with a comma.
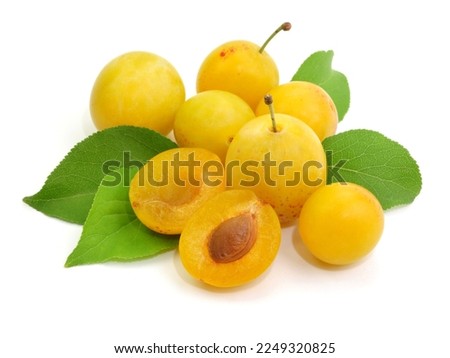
x: 341, y: 223
x: 281, y: 159
x: 240, y: 67
x: 137, y: 88
x: 210, y: 120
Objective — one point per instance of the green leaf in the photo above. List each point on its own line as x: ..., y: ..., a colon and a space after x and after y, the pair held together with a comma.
x: 112, y: 232
x: 69, y: 190
x: 317, y: 69
x: 375, y: 162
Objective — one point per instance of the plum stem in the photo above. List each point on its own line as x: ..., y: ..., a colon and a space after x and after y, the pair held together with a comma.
x: 269, y: 101
x: 285, y: 26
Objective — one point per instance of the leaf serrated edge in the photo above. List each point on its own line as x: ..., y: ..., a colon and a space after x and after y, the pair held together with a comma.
x: 74, y: 261
x: 328, y: 55
x: 32, y: 200
x: 104, y: 132
x: 412, y: 159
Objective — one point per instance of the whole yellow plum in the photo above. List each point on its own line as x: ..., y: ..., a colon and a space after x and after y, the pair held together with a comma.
x: 210, y: 120
x: 283, y: 163
x: 341, y: 223
x: 240, y: 67
x: 137, y: 88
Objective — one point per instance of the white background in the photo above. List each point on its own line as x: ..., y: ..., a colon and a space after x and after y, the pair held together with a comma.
x: 393, y: 304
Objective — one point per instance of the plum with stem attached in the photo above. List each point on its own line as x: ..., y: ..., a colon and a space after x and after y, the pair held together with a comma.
x: 280, y: 158
x: 241, y: 67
